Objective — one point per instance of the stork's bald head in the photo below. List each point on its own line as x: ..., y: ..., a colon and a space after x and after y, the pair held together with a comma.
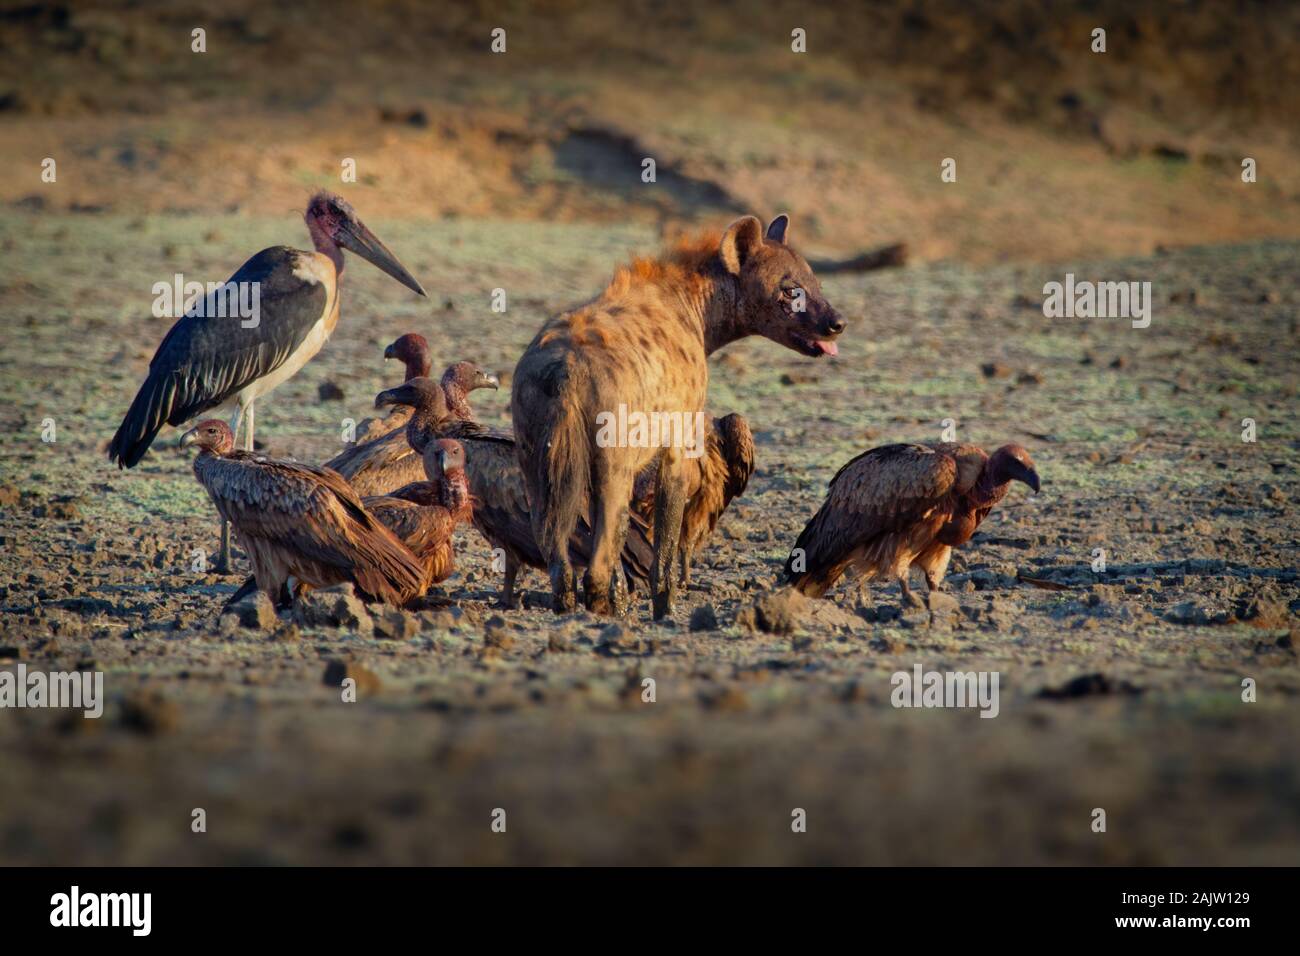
x: 412, y: 350
x: 333, y: 222
x: 212, y: 435
x: 1012, y: 463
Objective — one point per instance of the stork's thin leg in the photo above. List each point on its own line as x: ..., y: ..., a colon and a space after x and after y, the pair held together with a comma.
x: 223, y: 558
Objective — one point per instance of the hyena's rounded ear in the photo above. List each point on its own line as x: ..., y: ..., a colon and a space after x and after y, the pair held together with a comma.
x: 777, y: 227
x: 739, y: 242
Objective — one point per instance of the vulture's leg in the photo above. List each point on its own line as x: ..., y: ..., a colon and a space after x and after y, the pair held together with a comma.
x: 508, y: 598
x: 670, y: 501
x: 908, y: 596
x: 938, y: 568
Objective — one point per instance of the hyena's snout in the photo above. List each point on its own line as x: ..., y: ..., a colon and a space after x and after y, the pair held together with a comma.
x: 832, y: 323
x: 823, y: 321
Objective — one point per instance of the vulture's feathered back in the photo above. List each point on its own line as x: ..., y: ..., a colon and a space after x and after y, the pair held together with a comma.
x: 301, y: 521
x: 899, y: 505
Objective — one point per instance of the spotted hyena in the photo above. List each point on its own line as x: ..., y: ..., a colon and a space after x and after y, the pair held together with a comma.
x: 643, y: 343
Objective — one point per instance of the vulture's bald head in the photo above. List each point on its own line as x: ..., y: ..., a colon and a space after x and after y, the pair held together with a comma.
x: 1012, y: 463
x: 423, y: 394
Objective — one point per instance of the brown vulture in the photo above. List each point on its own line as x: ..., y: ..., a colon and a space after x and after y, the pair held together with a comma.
x: 300, y: 521
x: 379, y: 466
x: 412, y: 351
x: 712, y: 481
x: 424, y: 514
x: 497, y: 487
x: 902, y: 505
x: 211, y: 358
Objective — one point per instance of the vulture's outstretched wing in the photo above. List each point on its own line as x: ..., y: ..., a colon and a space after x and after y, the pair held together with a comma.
x: 314, y: 513
x: 205, y: 360
x: 882, y: 492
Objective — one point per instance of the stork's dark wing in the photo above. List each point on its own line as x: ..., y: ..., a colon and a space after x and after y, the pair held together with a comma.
x: 205, y: 360
x: 315, y: 513
x: 882, y: 491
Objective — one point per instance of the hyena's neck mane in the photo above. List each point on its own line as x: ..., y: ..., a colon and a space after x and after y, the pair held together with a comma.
x: 690, y: 274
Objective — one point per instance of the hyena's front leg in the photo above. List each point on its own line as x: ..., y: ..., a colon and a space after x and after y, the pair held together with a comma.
x: 670, y: 501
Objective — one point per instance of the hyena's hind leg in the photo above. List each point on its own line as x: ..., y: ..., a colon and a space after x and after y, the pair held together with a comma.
x: 601, y: 581
x: 670, y: 502
x: 509, y: 599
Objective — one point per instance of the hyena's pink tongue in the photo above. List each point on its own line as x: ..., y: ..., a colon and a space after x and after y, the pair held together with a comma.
x: 830, y: 348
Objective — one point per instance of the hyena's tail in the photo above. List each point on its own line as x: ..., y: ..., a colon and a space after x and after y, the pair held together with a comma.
x: 558, y: 466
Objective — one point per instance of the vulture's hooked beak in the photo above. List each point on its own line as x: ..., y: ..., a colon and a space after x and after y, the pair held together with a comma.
x: 389, y: 353
x: 355, y: 236
x: 395, y: 396
x: 491, y: 381
x: 442, y: 460
x: 189, y: 438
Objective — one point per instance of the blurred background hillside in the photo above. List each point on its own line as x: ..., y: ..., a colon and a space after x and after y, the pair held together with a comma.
x: 1060, y: 152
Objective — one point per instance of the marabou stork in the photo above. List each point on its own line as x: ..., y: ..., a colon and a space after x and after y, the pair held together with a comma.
x: 303, y: 522
x: 208, y: 360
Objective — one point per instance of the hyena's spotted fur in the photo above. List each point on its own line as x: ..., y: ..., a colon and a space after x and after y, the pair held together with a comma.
x: 644, y: 342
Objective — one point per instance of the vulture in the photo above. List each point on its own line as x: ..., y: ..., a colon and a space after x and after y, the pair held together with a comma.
x: 211, y: 359
x: 713, y: 480
x: 412, y: 351
x: 424, y: 514
x: 301, y: 521
x: 382, y: 464
x: 902, y: 505
x: 496, y: 486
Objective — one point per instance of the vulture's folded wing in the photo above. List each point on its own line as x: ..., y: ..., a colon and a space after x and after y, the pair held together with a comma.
x: 314, y: 513
x: 380, y: 465
x: 882, y: 491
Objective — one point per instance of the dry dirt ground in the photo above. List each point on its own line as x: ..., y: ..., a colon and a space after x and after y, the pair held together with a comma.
x: 464, y: 709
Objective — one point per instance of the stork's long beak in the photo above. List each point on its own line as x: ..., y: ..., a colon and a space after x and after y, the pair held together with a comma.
x: 354, y: 235
x: 189, y: 438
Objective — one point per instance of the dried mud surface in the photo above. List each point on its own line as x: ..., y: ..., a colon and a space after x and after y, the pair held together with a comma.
x: 464, y: 708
